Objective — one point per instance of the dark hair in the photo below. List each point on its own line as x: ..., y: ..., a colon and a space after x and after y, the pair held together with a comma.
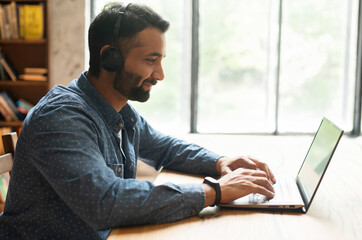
x: 100, y: 33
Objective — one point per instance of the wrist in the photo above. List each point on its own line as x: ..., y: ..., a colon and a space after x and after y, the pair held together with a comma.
x: 218, y: 165
x: 209, y: 195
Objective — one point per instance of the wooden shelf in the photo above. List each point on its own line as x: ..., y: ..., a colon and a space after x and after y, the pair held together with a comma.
x: 23, y: 83
x: 26, y: 53
x: 11, y: 124
x: 23, y: 41
x: 21, y: 1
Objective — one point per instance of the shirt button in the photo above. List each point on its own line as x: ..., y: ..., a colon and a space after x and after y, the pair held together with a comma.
x: 121, y: 125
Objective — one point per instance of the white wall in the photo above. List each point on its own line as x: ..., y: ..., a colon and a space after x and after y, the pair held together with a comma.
x: 67, y: 40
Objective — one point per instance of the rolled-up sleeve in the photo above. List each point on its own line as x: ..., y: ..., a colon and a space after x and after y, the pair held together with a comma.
x: 160, y: 150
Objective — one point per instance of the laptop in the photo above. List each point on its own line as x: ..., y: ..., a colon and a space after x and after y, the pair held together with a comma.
x: 298, y: 192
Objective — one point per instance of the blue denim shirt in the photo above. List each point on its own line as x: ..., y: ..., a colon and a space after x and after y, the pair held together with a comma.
x: 67, y: 181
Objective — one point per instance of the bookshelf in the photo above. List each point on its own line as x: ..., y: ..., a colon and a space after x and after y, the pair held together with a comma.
x: 25, y: 53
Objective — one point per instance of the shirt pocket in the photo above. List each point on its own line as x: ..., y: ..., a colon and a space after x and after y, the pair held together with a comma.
x: 118, y: 169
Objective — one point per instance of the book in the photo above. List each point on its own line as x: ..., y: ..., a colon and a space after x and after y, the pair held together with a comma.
x: 9, y: 68
x: 6, y: 110
x: 31, y: 21
x: 12, y: 19
x: 5, y: 113
x: 12, y: 105
x: 35, y: 70
x: 23, y: 106
x: 9, y: 21
x: 33, y: 77
x: 21, y: 21
x: 34, y: 74
x: 5, y: 24
x: 2, y: 22
x: 2, y: 74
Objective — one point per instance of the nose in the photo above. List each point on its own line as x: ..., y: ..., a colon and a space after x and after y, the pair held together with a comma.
x: 158, y: 72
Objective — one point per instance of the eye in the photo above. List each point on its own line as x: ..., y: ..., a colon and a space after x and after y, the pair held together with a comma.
x: 150, y: 60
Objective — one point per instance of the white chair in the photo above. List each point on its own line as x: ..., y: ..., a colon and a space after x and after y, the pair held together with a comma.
x: 6, y: 160
x: 6, y: 163
x: 9, y: 143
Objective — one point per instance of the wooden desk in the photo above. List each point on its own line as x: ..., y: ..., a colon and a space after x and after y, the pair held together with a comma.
x: 336, y: 212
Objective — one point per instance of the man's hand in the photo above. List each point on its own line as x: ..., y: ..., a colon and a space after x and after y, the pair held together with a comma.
x: 227, y: 165
x: 240, y: 183
x: 240, y: 177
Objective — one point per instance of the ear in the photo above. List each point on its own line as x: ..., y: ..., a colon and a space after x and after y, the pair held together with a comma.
x: 103, y: 48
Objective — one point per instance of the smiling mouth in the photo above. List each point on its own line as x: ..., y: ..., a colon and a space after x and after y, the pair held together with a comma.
x: 150, y: 82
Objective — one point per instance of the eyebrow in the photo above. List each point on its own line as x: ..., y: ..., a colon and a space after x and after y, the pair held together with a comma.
x: 155, y: 54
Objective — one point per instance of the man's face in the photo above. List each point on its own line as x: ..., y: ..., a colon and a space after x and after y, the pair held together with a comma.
x: 142, y: 67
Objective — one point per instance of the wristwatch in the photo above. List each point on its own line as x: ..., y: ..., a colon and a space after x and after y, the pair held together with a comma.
x: 214, y: 184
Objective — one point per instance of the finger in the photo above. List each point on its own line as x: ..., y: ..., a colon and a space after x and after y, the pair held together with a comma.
x: 247, y: 172
x: 259, y: 173
x: 247, y: 163
x: 274, y: 180
x: 226, y: 170
x: 263, y: 182
x: 264, y: 167
x: 264, y: 191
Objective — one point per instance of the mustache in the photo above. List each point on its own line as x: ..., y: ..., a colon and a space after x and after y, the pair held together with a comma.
x: 151, y: 81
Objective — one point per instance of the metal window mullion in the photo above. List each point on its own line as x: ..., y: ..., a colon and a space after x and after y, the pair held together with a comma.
x: 358, y: 91
x: 277, y: 82
x: 346, y: 74
x: 194, y: 65
x: 92, y: 10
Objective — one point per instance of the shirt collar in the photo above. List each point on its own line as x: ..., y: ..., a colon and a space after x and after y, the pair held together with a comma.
x: 104, y: 108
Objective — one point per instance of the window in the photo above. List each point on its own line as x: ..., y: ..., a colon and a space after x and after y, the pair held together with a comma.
x: 318, y: 59
x: 237, y: 66
x: 263, y: 66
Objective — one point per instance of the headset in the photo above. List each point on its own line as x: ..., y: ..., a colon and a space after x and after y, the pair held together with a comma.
x: 111, y: 58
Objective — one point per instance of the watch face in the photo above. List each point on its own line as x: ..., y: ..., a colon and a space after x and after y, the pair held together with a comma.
x: 212, y: 180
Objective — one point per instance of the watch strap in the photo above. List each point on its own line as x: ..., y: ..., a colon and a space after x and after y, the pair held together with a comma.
x: 215, y: 185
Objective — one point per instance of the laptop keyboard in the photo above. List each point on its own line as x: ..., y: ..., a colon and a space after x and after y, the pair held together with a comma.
x: 282, y: 193
x: 256, y: 198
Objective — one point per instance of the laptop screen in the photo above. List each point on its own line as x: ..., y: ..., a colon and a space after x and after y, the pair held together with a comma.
x: 317, y: 159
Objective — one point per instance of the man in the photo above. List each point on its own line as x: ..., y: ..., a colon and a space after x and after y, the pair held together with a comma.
x: 75, y: 161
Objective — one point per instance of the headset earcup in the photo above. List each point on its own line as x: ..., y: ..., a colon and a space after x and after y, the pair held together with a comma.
x: 111, y: 60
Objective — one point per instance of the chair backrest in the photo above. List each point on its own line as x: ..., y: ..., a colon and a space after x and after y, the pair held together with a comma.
x: 6, y: 164
x: 9, y: 143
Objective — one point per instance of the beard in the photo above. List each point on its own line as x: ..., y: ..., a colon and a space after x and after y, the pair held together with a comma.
x: 126, y: 84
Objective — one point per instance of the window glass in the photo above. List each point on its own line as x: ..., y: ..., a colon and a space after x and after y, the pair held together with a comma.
x: 318, y: 58
x: 237, y: 66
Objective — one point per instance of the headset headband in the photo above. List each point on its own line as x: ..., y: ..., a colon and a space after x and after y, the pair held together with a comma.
x: 121, y: 12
